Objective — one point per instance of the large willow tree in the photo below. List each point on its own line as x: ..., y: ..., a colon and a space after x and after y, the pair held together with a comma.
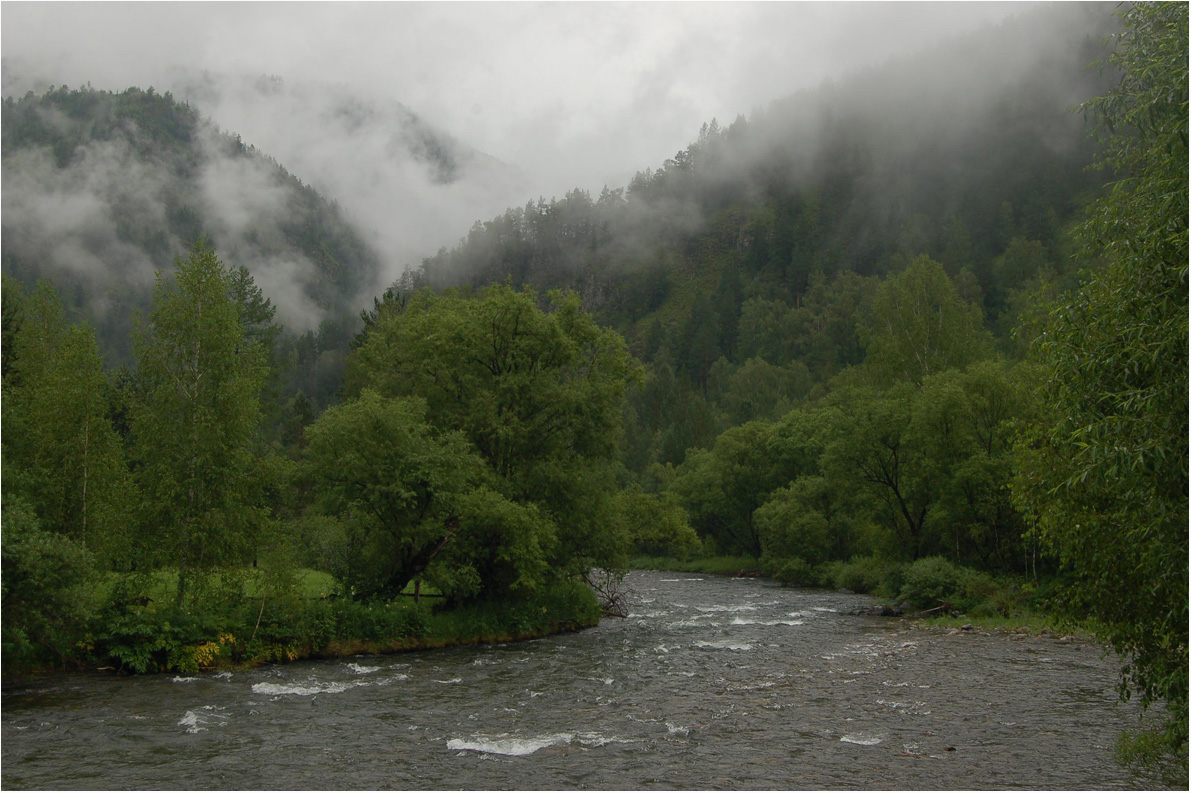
x: 1106, y: 474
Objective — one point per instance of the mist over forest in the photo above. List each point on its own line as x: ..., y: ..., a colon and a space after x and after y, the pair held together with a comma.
x: 864, y: 333
x: 401, y: 189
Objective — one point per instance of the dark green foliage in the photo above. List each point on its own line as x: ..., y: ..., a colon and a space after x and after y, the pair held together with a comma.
x: 918, y: 325
x: 45, y: 584
x: 796, y: 572
x: 145, y: 638
x: 722, y: 488
x: 537, y: 396
x: 142, y: 641
x: 1104, y: 471
x: 397, y: 486
x: 861, y: 574
x: 934, y: 582
x: 60, y: 450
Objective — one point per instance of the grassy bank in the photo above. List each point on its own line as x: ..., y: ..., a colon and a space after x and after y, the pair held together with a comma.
x: 257, y: 622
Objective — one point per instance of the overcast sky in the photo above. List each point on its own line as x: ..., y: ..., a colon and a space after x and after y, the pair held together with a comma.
x: 576, y: 94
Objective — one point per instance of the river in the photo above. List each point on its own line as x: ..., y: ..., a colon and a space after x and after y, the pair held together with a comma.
x: 709, y: 683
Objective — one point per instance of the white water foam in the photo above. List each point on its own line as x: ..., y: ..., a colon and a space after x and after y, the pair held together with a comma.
x: 724, y: 645
x: 861, y: 740
x: 451, y: 681
x: 595, y: 739
x: 739, y: 621
x: 280, y: 689
x: 686, y: 624
x: 196, y: 721
x: 505, y: 745
x: 185, y: 679
x: 363, y: 670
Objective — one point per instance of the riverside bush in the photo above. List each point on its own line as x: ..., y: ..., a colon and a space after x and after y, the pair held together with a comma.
x: 796, y: 572
x: 935, y: 581
x: 862, y: 574
x: 133, y: 635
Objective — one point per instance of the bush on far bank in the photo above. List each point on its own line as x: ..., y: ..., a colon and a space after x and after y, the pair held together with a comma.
x: 932, y: 583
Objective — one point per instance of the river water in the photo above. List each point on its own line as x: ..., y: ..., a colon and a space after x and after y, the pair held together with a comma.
x: 710, y: 683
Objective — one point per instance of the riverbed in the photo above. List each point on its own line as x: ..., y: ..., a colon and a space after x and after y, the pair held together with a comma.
x: 709, y: 683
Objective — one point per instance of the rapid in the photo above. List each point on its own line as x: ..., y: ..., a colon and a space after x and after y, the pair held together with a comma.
x: 709, y: 683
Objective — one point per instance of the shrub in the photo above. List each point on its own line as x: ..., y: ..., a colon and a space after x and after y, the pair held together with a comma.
x: 862, y: 574
x: 930, y: 582
x: 796, y: 572
x: 935, y: 581
x: 45, y: 598
x: 142, y: 641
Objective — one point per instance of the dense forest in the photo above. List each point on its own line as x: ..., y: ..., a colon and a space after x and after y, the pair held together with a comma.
x: 916, y: 334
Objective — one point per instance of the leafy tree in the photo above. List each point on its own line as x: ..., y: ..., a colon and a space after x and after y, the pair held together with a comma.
x: 721, y: 488
x: 1105, y: 471
x: 919, y: 325
x: 930, y: 463
x: 656, y: 524
x: 797, y: 521
x: 872, y: 445
x: 538, y: 394
x: 62, y: 452
x: 759, y: 390
x: 394, y: 482
x: 196, y: 419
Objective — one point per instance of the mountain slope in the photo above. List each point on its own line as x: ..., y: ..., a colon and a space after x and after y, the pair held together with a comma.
x: 412, y: 185
x: 101, y: 190
x: 954, y: 153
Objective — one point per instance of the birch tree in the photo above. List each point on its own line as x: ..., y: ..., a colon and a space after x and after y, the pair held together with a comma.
x: 196, y: 416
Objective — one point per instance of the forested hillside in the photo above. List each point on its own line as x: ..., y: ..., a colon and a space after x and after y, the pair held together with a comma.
x: 103, y: 189
x: 740, y: 269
